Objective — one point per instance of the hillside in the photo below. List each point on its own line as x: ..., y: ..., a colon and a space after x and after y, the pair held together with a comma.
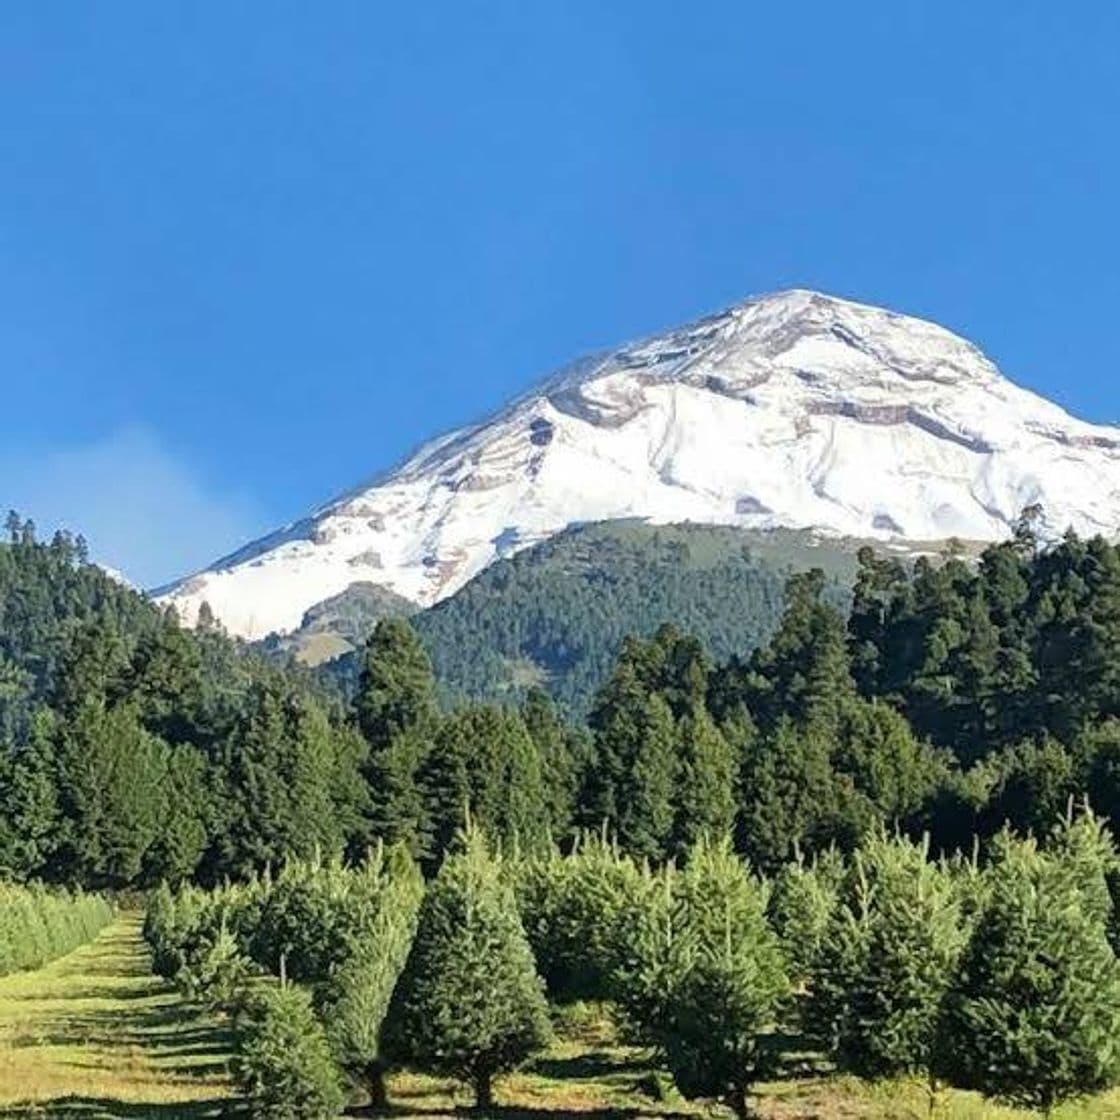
x: 556, y: 614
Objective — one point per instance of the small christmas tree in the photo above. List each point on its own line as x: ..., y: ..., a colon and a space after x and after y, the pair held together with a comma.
x: 889, y: 960
x: 469, y: 1002
x: 355, y: 999
x: 726, y: 979
x: 283, y: 1063
x: 1036, y: 1018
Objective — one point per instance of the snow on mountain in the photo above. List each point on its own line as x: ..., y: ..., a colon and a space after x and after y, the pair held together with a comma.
x: 794, y: 409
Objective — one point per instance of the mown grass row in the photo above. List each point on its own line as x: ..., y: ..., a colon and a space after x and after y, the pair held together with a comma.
x: 38, y: 924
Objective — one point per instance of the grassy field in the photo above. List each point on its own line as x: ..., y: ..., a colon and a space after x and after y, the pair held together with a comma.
x: 95, y: 1036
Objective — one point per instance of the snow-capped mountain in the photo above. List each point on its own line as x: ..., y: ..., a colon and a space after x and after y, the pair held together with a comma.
x: 794, y: 409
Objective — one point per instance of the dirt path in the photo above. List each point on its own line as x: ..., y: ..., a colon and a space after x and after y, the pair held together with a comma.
x: 95, y: 1034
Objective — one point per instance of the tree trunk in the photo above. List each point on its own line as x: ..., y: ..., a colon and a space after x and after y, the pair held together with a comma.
x: 378, y: 1091
x: 483, y: 1090
x: 737, y: 1102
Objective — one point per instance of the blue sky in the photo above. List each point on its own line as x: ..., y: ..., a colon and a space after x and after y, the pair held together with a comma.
x: 251, y: 253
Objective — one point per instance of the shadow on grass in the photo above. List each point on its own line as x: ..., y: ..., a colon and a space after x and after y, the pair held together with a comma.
x: 588, y: 1066
x: 91, y: 1108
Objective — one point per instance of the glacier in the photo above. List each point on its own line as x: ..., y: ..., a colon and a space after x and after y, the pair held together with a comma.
x: 793, y: 410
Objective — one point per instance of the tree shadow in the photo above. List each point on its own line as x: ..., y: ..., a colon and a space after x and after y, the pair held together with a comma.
x: 94, y: 1108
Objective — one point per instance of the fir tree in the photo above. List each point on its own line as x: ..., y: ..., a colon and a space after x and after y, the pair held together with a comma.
x: 888, y: 962
x: 469, y: 1003
x: 396, y: 712
x: 1035, y: 1019
x: 722, y: 978
x: 283, y: 1064
x: 354, y: 1000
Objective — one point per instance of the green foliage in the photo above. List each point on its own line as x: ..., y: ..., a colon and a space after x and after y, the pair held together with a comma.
x: 469, y: 1002
x: 888, y: 961
x: 396, y: 713
x: 699, y: 973
x: 727, y: 979
x: 283, y: 1062
x: 303, y: 920
x: 556, y: 614
x: 289, y: 778
x: 803, y: 898
x: 574, y: 909
x: 354, y: 1000
x: 37, y: 925
x: 1035, y: 1019
x: 484, y: 764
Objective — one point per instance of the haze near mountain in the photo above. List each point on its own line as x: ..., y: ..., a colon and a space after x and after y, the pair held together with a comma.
x: 791, y: 410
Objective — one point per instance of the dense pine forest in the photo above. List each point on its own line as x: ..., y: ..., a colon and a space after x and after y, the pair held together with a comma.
x: 955, y: 697
x: 886, y: 829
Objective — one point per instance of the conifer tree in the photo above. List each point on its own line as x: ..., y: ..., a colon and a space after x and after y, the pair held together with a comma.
x: 803, y: 897
x: 355, y: 998
x: 630, y: 785
x: 725, y: 979
x: 559, y: 761
x: 484, y: 763
x: 888, y: 962
x: 706, y: 782
x: 469, y: 1003
x: 1035, y: 1018
x: 283, y: 1064
x: 395, y: 709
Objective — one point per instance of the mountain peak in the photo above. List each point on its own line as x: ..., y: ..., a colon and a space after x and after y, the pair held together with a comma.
x: 794, y: 409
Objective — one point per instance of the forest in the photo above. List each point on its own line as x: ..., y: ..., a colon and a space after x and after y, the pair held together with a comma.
x: 888, y: 827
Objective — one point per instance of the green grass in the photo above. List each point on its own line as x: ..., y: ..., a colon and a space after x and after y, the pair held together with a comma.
x: 95, y: 1036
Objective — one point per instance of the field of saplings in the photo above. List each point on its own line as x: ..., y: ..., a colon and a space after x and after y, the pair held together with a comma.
x: 995, y: 975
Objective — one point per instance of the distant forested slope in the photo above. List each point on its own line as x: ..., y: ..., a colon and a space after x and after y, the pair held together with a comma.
x: 555, y: 615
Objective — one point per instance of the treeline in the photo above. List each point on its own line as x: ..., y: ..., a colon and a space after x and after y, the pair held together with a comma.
x: 953, y: 698
x: 133, y: 751
x: 1000, y: 977
x: 37, y: 925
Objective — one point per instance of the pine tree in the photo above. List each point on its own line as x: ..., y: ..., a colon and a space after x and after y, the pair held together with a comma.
x: 110, y: 792
x: 395, y: 709
x: 1035, y: 1018
x: 706, y: 783
x: 283, y: 1064
x: 888, y: 962
x: 803, y: 898
x: 725, y: 979
x: 355, y: 998
x: 557, y: 748
x: 483, y: 763
x: 469, y: 1003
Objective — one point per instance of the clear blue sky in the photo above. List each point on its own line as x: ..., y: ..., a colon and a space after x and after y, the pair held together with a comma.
x: 251, y: 253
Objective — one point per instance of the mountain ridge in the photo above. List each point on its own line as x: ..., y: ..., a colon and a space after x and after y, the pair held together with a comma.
x: 791, y: 410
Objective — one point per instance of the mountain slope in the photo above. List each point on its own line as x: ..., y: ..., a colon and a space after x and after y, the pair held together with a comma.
x: 555, y: 614
x: 792, y: 410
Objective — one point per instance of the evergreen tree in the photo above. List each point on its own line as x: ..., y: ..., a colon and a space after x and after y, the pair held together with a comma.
x: 630, y: 782
x: 888, y: 962
x: 396, y: 712
x: 708, y: 974
x: 484, y: 763
x: 803, y: 898
x: 560, y: 755
x: 706, y: 782
x: 469, y: 1003
x: 354, y: 1000
x: 282, y: 780
x: 283, y: 1064
x: 1035, y: 1019
x: 110, y: 793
